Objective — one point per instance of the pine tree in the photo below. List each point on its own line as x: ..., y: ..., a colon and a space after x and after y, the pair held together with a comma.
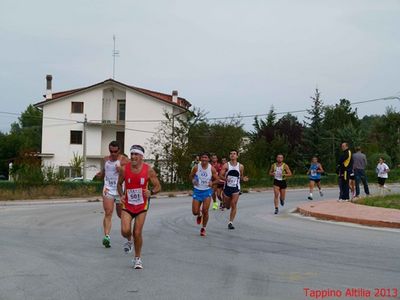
x: 314, y: 132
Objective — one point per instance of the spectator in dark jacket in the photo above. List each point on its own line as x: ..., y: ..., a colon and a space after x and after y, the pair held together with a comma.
x: 344, y: 168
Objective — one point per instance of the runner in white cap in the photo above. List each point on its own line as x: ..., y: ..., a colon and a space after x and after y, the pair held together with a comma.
x: 136, y: 198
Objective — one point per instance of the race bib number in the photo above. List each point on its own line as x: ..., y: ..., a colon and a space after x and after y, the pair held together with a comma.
x: 313, y: 172
x: 111, y: 182
x: 203, y: 182
x: 135, y: 196
x: 232, y: 181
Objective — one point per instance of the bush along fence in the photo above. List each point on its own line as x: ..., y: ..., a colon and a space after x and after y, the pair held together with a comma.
x: 65, y: 189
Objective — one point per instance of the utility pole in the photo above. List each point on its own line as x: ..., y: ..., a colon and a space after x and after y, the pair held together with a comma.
x: 84, y: 148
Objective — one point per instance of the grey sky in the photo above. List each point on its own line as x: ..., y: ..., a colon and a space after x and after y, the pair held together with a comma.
x: 224, y: 56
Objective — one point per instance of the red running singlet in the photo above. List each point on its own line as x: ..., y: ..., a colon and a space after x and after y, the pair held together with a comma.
x: 135, y: 184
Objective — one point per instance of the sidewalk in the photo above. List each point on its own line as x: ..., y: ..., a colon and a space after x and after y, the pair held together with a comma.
x: 350, y: 212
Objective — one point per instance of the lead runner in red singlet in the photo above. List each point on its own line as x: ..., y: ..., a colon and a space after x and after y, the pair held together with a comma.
x: 135, y: 199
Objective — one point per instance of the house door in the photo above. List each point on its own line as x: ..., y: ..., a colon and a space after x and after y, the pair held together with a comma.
x: 121, y: 140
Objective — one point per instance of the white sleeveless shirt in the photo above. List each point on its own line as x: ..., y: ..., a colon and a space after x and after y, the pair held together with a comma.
x: 203, y: 177
x: 233, y: 176
x: 111, y: 176
x: 279, y: 172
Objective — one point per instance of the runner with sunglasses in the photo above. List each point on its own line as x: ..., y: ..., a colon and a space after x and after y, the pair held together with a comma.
x: 109, y: 172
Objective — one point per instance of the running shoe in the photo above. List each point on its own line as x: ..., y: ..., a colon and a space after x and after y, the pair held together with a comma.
x: 215, y: 205
x: 321, y: 193
x: 107, y: 241
x: 221, y: 205
x: 309, y: 198
x: 137, y: 263
x: 128, y: 247
x: 198, y: 220
x: 203, y: 231
x: 230, y: 226
x: 276, y: 210
x: 282, y: 202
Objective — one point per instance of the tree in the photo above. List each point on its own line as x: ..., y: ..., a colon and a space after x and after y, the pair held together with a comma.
x: 271, y: 137
x: 170, y: 144
x: 25, y: 136
x: 386, y: 133
x: 340, y: 115
x: 29, y: 128
x: 314, y: 131
x: 218, y: 138
x: 341, y: 124
x: 291, y: 130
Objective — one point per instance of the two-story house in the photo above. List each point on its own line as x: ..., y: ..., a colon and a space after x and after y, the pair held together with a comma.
x: 84, y: 120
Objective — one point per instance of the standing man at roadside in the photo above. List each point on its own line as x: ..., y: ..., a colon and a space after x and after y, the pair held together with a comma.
x: 109, y: 172
x: 359, y: 165
x: 344, y: 169
x: 136, y: 198
x: 232, y: 173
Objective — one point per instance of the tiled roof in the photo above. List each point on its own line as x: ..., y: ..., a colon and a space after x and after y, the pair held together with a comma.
x: 182, y: 102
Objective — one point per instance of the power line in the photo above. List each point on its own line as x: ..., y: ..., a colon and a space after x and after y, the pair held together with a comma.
x: 210, y: 119
x: 300, y: 110
x: 38, y: 117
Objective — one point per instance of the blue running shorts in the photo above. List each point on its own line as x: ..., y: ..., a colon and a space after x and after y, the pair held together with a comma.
x: 201, y: 195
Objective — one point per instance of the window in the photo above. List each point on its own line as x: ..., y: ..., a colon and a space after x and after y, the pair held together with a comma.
x: 77, y: 107
x: 76, y: 137
x: 121, y: 110
x: 67, y: 172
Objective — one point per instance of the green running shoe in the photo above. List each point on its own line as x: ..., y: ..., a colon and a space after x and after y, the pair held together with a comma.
x: 215, y: 205
x: 106, y: 241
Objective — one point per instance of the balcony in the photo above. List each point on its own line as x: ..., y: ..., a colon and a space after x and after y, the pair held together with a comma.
x: 107, y: 123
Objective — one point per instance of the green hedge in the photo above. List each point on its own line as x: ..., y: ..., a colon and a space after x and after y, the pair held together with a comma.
x: 11, y: 190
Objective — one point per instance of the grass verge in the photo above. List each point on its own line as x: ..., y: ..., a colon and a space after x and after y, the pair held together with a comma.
x: 388, y: 201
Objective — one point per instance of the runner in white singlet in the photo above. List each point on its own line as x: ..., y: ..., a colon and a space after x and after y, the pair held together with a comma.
x: 232, y: 173
x: 110, y: 171
x: 203, y: 176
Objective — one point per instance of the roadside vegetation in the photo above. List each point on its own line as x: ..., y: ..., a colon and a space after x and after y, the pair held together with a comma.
x: 388, y: 201
x: 179, y: 139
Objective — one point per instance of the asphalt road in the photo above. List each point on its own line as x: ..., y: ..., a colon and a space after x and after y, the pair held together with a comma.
x: 55, y: 252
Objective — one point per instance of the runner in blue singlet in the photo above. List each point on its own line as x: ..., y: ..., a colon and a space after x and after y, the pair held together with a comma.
x: 314, y: 174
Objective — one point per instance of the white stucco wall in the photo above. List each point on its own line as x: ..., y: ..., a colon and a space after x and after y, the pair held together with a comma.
x: 142, y: 107
x: 56, y: 127
x: 111, y: 95
x: 100, y: 103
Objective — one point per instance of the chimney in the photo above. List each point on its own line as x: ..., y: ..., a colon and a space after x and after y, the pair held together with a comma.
x: 175, y: 96
x: 49, y: 94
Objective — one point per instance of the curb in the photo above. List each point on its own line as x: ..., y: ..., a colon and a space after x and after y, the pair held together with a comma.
x: 341, y: 218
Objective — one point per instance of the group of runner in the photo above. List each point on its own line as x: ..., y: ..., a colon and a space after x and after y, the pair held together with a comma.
x: 126, y: 183
x: 214, y: 180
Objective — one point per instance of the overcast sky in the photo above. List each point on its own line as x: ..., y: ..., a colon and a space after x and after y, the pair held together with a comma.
x: 224, y: 56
